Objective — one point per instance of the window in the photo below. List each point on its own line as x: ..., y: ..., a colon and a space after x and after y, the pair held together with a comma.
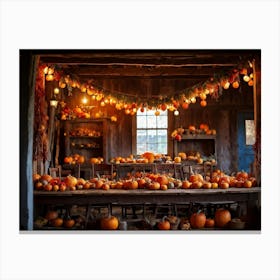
x: 151, y: 132
x: 250, y: 132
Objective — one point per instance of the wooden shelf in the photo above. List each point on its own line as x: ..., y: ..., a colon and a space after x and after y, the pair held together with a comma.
x: 86, y: 137
x: 99, y: 125
x: 198, y: 137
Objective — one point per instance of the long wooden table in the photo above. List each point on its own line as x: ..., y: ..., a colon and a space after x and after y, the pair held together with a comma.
x: 171, y: 196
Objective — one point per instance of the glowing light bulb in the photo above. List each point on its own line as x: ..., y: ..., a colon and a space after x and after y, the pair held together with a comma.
x: 46, y: 69
x: 56, y: 91
x: 49, y: 77
x: 176, y: 113
x: 50, y: 71
x: 84, y: 100
x: 193, y: 100
x: 226, y: 85
x: 246, y: 78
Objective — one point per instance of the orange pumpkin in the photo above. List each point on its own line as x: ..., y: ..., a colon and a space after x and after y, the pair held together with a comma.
x: 214, y: 185
x: 68, y: 160
x: 210, y: 223
x: 186, y: 184
x: 36, y: 177
x: 48, y: 187
x: 162, y: 180
x: 196, y: 177
x: 198, y: 220
x: 247, y: 184
x: 46, y: 177
x: 242, y: 175
x: 69, y: 223
x: 51, y: 215
x: 192, y: 128
x: 207, y: 185
x: 177, y: 160
x: 105, y: 186
x: 141, y: 183
x: 81, y: 160
x: 196, y: 185
x: 203, y: 103
x: 109, y: 223
x: 164, y: 225
x: 154, y: 186
x: 57, y: 222
x: 224, y: 185
x: 70, y: 181
x: 39, y: 186
x: 222, y: 217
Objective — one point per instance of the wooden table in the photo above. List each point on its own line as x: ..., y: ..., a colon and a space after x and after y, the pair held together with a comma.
x: 175, y: 197
x: 171, y: 196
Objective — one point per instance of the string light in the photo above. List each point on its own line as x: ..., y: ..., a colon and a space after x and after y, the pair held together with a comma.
x: 125, y: 101
x: 176, y: 113
x: 84, y: 100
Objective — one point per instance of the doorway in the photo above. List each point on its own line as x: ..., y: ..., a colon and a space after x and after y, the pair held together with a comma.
x: 246, y: 140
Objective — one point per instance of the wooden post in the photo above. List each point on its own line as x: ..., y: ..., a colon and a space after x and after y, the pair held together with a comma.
x: 257, y: 117
x: 50, y: 138
x: 28, y: 66
x: 57, y: 143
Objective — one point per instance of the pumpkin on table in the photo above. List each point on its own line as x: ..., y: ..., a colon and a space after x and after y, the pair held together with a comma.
x: 222, y: 217
x: 109, y: 223
x: 198, y: 220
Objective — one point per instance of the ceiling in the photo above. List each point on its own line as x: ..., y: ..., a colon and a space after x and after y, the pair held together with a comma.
x: 191, y: 66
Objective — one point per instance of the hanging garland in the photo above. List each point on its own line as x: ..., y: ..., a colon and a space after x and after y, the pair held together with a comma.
x: 40, y: 139
x: 213, y: 87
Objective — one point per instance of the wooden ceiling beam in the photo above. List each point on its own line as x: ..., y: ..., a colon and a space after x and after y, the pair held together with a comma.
x: 146, y: 71
x: 150, y: 61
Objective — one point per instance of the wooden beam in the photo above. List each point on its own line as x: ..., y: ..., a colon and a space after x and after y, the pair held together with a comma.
x: 28, y: 66
x: 148, y: 71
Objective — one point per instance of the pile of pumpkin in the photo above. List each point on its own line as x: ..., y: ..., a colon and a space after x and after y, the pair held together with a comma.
x: 149, y: 181
x: 80, y: 159
x: 147, y: 157
x: 196, y: 158
x: 192, y: 129
x: 54, y: 218
x: 198, y: 220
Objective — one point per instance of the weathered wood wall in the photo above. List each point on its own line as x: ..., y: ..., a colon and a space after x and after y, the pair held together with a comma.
x: 219, y: 114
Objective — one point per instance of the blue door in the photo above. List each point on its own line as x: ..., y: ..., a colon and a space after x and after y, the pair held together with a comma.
x: 245, y: 148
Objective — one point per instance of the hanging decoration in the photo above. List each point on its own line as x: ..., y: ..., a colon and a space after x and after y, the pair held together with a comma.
x: 40, y: 139
x: 213, y: 87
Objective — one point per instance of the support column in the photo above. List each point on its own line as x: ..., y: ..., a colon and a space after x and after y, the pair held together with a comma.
x: 257, y: 116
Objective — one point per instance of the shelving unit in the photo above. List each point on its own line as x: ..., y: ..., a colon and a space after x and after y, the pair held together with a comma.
x: 94, y: 145
x: 204, y: 144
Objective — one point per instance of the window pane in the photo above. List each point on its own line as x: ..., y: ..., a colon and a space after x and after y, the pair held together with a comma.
x: 152, y: 136
x: 151, y: 122
x: 162, y: 122
x: 152, y: 148
x: 162, y: 136
x: 141, y: 122
x: 250, y: 132
x: 141, y: 148
x: 162, y: 148
x: 141, y: 136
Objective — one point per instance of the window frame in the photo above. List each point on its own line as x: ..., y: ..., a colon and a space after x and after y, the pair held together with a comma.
x: 134, y: 132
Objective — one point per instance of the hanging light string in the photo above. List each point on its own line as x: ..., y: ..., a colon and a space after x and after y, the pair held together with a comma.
x: 213, y: 87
